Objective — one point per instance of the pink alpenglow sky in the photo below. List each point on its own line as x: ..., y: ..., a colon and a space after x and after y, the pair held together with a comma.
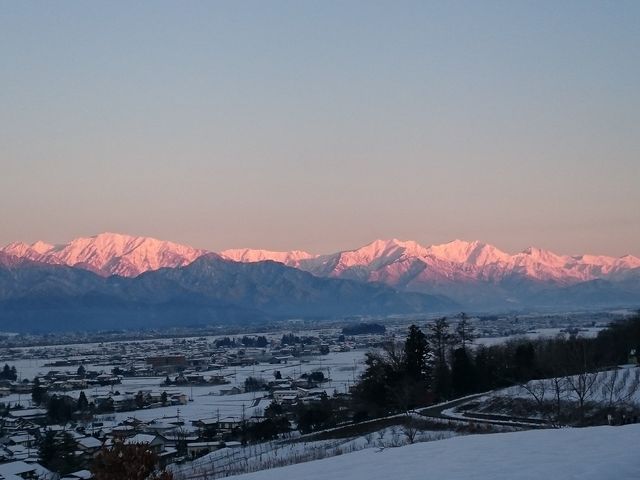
x: 322, y: 125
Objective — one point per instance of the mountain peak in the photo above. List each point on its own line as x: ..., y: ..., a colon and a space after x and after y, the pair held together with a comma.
x: 249, y: 255
x: 382, y: 250
x: 475, y: 252
x: 42, y: 247
x: 109, y: 253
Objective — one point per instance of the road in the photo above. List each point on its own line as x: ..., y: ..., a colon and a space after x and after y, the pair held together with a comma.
x: 437, y: 411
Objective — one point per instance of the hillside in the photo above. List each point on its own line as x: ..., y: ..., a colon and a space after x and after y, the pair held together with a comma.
x: 594, y: 453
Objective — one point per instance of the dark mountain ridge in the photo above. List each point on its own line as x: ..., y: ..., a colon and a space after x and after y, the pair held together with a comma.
x: 41, y: 297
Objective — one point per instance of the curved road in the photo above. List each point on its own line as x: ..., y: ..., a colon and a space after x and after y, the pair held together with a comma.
x: 437, y: 411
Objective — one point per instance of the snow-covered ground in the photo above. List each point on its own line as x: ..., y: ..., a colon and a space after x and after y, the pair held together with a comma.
x: 262, y: 456
x: 621, y: 385
x: 594, y: 453
x: 586, y: 332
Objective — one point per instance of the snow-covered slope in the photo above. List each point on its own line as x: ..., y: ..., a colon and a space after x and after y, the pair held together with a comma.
x: 109, y: 254
x: 594, y: 453
x: 458, y: 260
x: 477, y: 274
x: 248, y: 255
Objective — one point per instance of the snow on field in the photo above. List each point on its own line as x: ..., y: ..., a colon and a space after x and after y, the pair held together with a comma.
x: 611, y: 386
x: 586, y: 332
x: 230, y: 461
x: 593, y: 453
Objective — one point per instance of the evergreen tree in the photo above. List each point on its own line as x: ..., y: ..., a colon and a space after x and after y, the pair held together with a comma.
x: 415, y: 354
x: 374, y: 391
x: 9, y: 373
x: 38, y: 393
x: 524, y: 362
x: 463, y: 375
x: 48, y: 449
x: 83, y: 403
x: 60, y: 409
x: 439, y: 339
x: 57, y: 452
x: 139, y: 399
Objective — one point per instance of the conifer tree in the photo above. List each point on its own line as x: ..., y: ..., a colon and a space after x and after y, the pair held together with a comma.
x: 415, y: 354
x: 83, y: 403
x: 439, y: 339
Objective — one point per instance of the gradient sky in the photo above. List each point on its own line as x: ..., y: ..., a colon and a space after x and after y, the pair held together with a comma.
x: 323, y: 125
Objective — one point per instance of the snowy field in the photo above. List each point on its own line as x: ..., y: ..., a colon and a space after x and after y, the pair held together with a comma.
x: 586, y: 332
x: 595, y: 453
x: 262, y: 456
x: 621, y: 385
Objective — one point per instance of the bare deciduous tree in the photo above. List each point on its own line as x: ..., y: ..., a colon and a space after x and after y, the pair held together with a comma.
x: 583, y: 385
x: 410, y: 428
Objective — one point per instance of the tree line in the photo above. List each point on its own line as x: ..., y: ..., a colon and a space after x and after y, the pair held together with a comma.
x: 439, y: 364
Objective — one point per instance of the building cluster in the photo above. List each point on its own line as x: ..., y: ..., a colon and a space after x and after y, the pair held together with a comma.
x: 103, y: 373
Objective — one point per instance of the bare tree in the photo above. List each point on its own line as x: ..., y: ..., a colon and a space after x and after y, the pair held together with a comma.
x: 547, y: 393
x: 613, y: 386
x: 619, y: 386
x: 410, y: 428
x: 582, y: 379
x: 633, y: 385
x: 583, y: 385
x: 558, y: 391
x: 464, y: 331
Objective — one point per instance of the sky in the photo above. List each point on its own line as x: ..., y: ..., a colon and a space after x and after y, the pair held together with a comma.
x: 323, y: 125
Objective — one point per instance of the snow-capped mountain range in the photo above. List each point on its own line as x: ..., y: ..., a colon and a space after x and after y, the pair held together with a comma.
x: 109, y: 254
x: 469, y: 272
x: 399, y: 262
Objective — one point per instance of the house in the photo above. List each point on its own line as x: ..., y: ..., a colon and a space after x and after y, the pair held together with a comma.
x: 122, y: 402
x: 79, y: 475
x: 168, y: 363
x: 18, y: 452
x: 230, y: 391
x: 229, y: 423
x: 17, y: 470
x: 159, y: 426
x: 88, y: 444
x: 28, y: 413
x: 198, y: 363
x: 9, y: 424
x: 106, y: 379
x: 285, y: 396
x: 155, y: 442
x: 179, y: 399
x: 24, y: 439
